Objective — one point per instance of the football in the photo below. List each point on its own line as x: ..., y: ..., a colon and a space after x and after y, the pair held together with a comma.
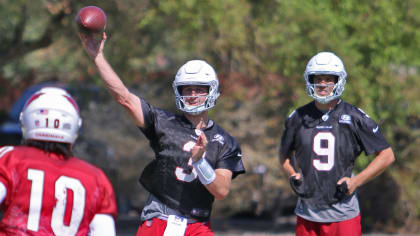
x: 91, y: 19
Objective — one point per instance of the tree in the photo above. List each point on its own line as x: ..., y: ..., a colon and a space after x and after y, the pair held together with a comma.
x: 259, y: 49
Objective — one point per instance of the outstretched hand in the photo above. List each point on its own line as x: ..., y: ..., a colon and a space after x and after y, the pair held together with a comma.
x: 93, y: 44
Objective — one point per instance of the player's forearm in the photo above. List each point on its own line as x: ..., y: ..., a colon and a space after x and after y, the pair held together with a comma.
x: 118, y: 90
x: 220, y: 187
x: 287, y: 166
x: 112, y: 80
x: 384, y: 159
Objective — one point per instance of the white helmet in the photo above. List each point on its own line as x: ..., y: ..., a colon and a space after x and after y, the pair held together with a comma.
x: 325, y: 63
x: 196, y: 72
x: 51, y: 114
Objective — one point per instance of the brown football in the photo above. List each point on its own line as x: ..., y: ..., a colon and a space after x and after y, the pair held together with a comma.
x: 91, y: 19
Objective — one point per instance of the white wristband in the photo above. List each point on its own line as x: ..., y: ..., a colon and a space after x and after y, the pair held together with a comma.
x: 205, y: 172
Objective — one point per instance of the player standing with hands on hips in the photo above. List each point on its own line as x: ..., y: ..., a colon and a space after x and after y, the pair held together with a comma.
x: 195, y: 158
x: 44, y: 189
x: 325, y: 137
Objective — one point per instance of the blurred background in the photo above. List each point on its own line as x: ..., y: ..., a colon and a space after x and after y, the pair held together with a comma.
x: 260, y: 50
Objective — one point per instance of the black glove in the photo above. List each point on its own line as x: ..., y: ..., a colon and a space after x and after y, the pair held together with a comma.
x: 298, y: 186
x: 341, y: 191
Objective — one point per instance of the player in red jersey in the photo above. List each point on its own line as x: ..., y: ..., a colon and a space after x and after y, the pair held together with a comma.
x: 44, y: 189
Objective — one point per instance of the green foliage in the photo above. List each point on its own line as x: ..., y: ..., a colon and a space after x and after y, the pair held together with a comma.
x: 260, y: 50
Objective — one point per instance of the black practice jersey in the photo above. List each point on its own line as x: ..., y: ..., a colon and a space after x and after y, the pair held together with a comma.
x: 170, y: 176
x: 325, y: 146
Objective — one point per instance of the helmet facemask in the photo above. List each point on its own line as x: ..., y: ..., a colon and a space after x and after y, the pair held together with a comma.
x: 325, y: 63
x: 197, y: 73
x: 337, y: 90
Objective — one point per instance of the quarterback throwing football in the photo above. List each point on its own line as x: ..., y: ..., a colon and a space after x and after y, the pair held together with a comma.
x: 325, y: 137
x: 195, y: 158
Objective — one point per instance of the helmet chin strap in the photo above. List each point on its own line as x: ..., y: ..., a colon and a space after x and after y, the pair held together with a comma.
x: 324, y: 99
x: 192, y: 108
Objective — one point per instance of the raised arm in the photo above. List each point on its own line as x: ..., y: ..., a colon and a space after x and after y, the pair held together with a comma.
x: 118, y: 90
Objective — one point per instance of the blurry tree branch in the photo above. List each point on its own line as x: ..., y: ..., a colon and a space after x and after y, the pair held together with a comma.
x: 18, y: 47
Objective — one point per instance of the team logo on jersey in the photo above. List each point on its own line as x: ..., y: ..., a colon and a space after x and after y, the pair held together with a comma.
x: 218, y: 138
x: 346, y: 119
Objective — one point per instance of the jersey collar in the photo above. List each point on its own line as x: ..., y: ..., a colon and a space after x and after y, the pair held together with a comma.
x: 315, y: 116
x: 187, y: 123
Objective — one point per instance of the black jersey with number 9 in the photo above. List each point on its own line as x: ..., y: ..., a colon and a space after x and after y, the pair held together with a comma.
x: 325, y: 146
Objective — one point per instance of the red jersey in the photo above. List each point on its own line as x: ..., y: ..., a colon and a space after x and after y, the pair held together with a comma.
x: 47, y: 194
